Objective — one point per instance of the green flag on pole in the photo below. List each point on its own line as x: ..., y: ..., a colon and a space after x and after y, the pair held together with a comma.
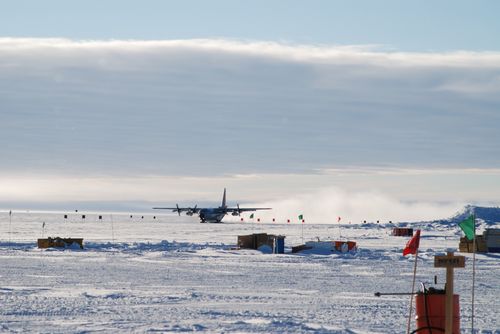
x: 301, y: 217
x: 469, y: 227
x: 251, y: 216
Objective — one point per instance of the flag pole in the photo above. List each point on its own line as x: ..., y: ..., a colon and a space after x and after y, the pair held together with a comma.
x: 340, y: 233
x: 412, y: 292
x: 473, y: 270
x: 10, y: 226
x: 302, y: 223
x: 112, y: 230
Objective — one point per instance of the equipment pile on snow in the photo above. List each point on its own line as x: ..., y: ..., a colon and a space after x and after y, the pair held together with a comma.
x: 262, y: 241
x: 60, y: 242
x: 489, y: 242
x: 402, y: 232
x: 327, y: 246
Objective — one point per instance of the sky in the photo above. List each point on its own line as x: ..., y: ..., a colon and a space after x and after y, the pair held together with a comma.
x: 123, y: 105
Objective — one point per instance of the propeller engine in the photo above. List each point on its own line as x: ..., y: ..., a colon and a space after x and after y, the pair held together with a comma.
x: 192, y: 211
x: 237, y: 212
x: 177, y: 210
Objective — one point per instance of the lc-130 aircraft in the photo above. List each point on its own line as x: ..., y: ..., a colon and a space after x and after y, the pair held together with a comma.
x: 213, y: 215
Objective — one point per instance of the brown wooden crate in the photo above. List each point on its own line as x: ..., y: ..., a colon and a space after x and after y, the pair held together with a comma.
x: 246, y: 241
x: 43, y: 243
x: 59, y: 242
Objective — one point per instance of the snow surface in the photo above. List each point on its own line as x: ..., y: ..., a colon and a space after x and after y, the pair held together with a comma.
x: 173, y: 274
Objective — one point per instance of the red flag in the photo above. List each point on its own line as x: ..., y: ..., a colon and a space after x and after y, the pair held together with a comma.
x: 412, y: 244
x: 338, y: 219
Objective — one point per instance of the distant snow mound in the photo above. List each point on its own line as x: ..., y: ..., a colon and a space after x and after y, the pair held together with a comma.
x: 489, y: 215
x: 486, y: 216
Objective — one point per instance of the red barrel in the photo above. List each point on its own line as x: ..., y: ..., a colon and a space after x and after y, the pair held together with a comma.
x: 435, y: 316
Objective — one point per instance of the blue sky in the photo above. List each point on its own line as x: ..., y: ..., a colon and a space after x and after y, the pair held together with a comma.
x: 146, y: 102
x: 402, y: 25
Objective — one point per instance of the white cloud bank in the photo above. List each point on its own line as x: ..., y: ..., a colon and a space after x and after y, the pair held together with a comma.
x: 58, y: 48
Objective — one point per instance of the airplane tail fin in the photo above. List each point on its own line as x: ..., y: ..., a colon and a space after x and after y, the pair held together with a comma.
x: 224, y: 199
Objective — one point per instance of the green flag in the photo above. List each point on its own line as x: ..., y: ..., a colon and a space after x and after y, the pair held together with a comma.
x: 301, y: 217
x: 251, y: 216
x: 469, y: 227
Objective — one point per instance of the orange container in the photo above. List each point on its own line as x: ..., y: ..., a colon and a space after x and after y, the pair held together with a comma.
x: 350, y: 245
x: 435, y: 317
x: 402, y: 232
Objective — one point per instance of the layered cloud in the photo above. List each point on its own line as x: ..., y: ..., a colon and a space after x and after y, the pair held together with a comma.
x: 204, y: 107
x: 111, y: 116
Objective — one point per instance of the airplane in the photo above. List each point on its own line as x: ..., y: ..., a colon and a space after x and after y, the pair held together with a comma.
x: 212, y: 215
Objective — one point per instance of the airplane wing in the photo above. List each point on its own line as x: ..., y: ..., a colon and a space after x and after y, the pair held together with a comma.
x: 178, y: 209
x: 247, y: 209
x: 189, y: 211
x: 237, y: 211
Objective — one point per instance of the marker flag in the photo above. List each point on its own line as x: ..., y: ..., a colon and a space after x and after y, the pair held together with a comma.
x: 301, y: 217
x: 251, y: 216
x: 469, y: 227
x: 412, y: 244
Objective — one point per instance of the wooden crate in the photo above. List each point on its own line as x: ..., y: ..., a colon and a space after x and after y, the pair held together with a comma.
x: 262, y: 239
x: 465, y: 245
x: 59, y: 242
x: 255, y: 241
x: 246, y: 241
x: 402, y: 232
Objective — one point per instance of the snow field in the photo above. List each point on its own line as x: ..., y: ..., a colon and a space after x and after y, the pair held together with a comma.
x: 172, y: 274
